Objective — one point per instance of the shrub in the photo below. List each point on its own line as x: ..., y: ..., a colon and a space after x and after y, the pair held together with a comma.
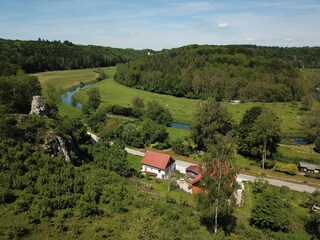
x: 317, y: 145
x: 182, y: 148
x: 17, y: 231
x: 88, y: 209
x: 120, y: 110
x: 270, y: 212
x: 288, y: 168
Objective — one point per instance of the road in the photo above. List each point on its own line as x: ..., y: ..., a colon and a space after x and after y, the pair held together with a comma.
x: 182, y: 165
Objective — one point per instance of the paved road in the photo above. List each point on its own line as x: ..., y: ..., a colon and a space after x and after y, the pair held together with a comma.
x: 182, y: 165
x: 293, y: 186
x: 134, y: 152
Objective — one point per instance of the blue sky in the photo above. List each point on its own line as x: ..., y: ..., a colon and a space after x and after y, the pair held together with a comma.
x: 163, y: 23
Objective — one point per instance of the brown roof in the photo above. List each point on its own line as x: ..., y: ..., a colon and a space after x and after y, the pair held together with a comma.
x: 157, y: 160
x: 196, y: 179
x: 193, y: 168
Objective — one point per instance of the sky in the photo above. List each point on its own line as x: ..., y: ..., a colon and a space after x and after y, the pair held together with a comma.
x: 159, y: 24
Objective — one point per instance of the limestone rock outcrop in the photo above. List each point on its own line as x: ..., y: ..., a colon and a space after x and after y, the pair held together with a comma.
x: 55, y: 145
x: 39, y: 106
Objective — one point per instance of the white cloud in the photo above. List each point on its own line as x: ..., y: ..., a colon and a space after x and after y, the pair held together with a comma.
x: 288, y: 39
x: 223, y: 25
x: 249, y: 39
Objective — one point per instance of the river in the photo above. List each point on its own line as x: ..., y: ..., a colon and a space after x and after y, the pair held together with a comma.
x: 67, y: 98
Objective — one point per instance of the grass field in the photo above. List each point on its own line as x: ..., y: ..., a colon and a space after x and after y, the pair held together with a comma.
x: 65, y: 80
x: 183, y: 109
x: 68, y: 78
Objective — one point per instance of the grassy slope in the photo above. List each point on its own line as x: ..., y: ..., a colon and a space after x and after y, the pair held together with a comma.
x: 67, y: 79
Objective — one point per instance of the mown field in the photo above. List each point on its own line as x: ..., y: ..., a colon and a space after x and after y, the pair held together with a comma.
x: 68, y: 78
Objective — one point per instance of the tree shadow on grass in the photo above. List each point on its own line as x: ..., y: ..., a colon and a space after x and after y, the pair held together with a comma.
x: 227, y: 223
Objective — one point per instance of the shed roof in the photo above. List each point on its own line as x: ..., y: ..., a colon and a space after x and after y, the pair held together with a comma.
x: 196, y: 179
x: 193, y: 168
x: 310, y: 166
x: 157, y: 160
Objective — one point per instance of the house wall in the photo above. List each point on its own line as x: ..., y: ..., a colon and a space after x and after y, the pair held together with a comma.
x: 170, y: 169
x: 160, y: 173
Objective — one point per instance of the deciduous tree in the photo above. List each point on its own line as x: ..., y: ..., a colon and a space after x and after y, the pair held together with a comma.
x: 137, y: 106
x: 258, y: 133
x: 311, y: 124
x: 209, y: 121
x: 94, y: 99
x: 216, y: 201
x: 158, y: 113
x: 266, y: 129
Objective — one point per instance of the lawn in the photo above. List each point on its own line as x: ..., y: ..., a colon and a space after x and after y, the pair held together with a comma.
x: 175, y: 133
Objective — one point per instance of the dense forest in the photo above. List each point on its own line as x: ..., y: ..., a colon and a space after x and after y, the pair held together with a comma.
x: 43, y: 55
x: 248, y: 73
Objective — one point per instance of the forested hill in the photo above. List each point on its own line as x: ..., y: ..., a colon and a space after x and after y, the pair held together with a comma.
x: 43, y: 55
x: 248, y: 73
x: 302, y: 57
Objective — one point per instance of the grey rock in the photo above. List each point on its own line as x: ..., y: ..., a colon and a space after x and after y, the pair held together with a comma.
x: 39, y: 106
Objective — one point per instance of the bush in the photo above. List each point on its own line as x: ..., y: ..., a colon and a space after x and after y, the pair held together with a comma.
x: 88, y: 209
x: 17, y: 231
x: 120, y: 110
x: 182, y: 148
x: 5, y: 195
x: 317, y: 145
x: 271, y: 211
x: 288, y: 168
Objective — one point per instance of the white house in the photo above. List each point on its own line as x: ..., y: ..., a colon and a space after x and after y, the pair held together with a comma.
x: 158, y: 164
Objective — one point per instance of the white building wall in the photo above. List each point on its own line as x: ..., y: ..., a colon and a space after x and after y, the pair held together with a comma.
x: 160, y: 173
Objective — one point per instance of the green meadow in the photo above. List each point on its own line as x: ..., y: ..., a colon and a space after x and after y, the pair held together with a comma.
x: 182, y: 109
x: 67, y: 79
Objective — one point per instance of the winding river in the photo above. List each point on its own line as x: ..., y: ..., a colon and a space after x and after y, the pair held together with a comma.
x: 67, y: 98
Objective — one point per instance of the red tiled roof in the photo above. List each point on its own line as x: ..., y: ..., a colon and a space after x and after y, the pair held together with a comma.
x: 158, y: 160
x: 196, y: 179
x: 193, y: 168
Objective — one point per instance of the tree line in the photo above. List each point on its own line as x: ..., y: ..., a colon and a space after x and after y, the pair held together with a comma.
x: 44, y: 55
x: 222, y: 72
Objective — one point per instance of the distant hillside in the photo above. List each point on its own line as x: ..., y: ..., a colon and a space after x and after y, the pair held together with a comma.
x: 43, y: 55
x: 249, y: 73
x: 302, y: 57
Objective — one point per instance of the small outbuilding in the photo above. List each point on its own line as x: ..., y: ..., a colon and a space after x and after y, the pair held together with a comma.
x: 158, y: 164
x: 306, y: 167
x: 196, y: 184
x: 192, y: 171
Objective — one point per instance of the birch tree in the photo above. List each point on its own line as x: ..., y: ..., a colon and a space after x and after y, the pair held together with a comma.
x: 266, y: 129
x: 217, y: 200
